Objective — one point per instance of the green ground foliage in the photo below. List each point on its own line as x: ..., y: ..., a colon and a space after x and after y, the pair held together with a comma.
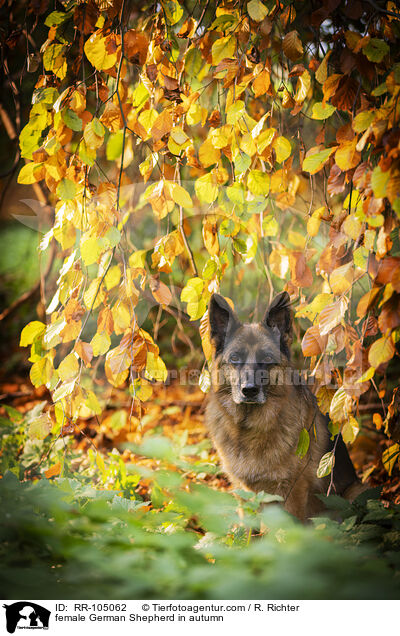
x: 88, y: 534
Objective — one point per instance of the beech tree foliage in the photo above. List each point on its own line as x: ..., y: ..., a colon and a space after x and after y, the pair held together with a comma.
x: 262, y: 133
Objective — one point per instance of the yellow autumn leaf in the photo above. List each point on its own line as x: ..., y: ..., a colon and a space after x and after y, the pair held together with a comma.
x: 178, y: 194
x: 352, y: 227
x: 363, y: 120
x: 347, y: 156
x: 297, y: 239
x: 322, y: 71
x: 340, y: 406
x: 279, y: 262
x: 162, y: 125
x: 41, y: 372
x: 247, y: 144
x: 31, y: 173
x: 381, y: 351
x: 155, y: 368
x: 223, y: 48
x: 332, y: 315
x: 350, y: 430
x: 261, y: 83
x: 93, y: 133
x: 94, y: 295
x: 206, y: 189
x: 192, y: 290
x: 314, y: 221
x: 315, y: 159
x: 208, y: 154
x: 379, y: 180
x: 257, y: 10
x: 282, y: 148
x: 313, y: 309
x: 341, y: 279
x: 54, y: 60
x: 122, y: 317
x: 143, y: 390
x: 97, y: 54
x: 302, y: 87
x: 322, y: 111
x: 69, y: 367
x: 31, y: 332
x: 101, y: 343
x: 258, y: 182
x: 210, y: 237
x: 390, y: 456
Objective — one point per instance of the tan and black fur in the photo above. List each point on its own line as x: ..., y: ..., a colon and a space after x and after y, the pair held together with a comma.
x: 255, y: 412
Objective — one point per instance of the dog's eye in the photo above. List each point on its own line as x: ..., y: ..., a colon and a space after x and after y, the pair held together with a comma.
x: 234, y: 358
x: 268, y: 358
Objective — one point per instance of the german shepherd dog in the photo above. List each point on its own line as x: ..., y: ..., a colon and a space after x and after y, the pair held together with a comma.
x: 255, y: 421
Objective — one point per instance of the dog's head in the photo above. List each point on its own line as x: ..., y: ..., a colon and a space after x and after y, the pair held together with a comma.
x: 249, y: 355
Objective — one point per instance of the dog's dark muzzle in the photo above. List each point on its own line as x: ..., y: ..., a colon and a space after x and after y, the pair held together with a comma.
x: 253, y: 383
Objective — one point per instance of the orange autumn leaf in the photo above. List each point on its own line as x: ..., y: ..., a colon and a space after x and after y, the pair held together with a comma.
x: 261, y: 83
x: 53, y: 471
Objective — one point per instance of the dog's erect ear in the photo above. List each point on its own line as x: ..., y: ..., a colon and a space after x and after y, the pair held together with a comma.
x: 223, y: 321
x: 278, y: 315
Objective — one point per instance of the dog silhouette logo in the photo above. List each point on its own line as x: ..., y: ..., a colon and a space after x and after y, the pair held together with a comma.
x: 26, y: 615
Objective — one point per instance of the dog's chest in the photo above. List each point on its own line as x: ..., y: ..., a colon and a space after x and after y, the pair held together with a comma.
x: 259, y: 454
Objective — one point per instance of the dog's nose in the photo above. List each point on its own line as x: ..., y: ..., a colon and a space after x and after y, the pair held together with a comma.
x: 250, y: 391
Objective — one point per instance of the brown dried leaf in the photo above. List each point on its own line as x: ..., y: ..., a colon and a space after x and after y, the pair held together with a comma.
x: 292, y: 46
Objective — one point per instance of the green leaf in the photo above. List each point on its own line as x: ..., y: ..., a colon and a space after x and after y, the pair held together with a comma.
x: 223, y: 48
x: 363, y: 120
x: 40, y: 427
x: 282, y: 148
x: 242, y: 163
x: 92, y: 403
x: 379, y: 181
x: 45, y: 96
x: 303, y: 443
x: 72, y: 120
x: 113, y: 236
x: 66, y: 190
x: 114, y: 145
x: 376, y: 50
x: 57, y: 17
x: 258, y: 182
x: 315, y: 162
x: 173, y: 11
x: 257, y: 10
x: 322, y: 111
x: 55, y: 61
x: 270, y: 225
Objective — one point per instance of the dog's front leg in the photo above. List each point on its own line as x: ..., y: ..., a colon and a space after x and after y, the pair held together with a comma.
x: 296, y: 500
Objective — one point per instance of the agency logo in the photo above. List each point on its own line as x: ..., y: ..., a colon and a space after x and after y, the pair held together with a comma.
x: 26, y: 615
